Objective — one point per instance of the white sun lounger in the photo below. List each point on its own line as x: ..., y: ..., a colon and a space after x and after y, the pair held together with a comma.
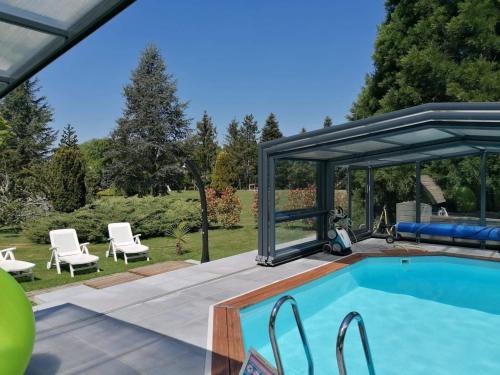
x: 67, y: 250
x: 16, y: 268
x: 121, y: 240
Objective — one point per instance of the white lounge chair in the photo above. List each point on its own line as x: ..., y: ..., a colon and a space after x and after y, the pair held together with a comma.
x: 67, y: 250
x: 16, y: 268
x: 121, y: 240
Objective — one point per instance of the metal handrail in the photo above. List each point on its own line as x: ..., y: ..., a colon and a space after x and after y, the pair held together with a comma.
x: 272, y: 334
x: 364, y: 340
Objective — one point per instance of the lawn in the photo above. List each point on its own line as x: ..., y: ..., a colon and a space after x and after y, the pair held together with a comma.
x: 223, y: 243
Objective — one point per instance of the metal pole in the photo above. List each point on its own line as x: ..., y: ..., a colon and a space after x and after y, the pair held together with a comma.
x: 417, y: 196
x: 482, y: 178
x: 205, y: 256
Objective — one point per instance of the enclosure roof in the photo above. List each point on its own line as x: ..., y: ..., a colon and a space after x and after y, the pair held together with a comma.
x: 424, y: 132
x: 34, y: 33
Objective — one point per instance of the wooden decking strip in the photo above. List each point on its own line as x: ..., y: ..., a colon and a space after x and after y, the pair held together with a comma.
x: 156, y: 269
x: 115, y: 279
x: 135, y: 274
x: 227, y: 342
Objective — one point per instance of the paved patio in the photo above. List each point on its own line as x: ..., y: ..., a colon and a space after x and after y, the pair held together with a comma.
x: 158, y: 324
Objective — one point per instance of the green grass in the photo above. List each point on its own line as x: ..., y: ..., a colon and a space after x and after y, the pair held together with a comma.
x: 222, y: 242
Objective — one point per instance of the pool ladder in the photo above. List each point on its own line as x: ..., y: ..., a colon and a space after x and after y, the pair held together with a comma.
x: 340, y: 337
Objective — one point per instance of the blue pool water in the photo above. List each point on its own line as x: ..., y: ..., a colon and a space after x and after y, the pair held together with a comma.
x: 432, y: 316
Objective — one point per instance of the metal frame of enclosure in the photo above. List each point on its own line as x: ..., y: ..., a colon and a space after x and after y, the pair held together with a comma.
x: 34, y: 33
x: 414, y: 135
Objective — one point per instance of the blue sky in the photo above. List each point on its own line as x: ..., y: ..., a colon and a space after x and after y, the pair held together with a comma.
x: 300, y: 59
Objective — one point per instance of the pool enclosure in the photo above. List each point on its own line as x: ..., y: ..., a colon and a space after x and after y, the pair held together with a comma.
x: 303, y: 177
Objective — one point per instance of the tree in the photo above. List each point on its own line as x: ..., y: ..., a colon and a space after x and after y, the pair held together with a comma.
x: 4, y: 131
x: 69, y: 137
x: 67, y: 179
x: 271, y: 129
x: 249, y: 133
x: 205, y: 146
x: 29, y: 142
x: 142, y: 156
x: 430, y: 51
x: 225, y: 172
x: 328, y: 122
x: 94, y: 152
x: 433, y: 51
x: 303, y: 130
x: 233, y: 146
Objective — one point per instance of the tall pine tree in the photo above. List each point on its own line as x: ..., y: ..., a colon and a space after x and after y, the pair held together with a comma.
x: 68, y: 137
x: 328, y: 122
x: 271, y: 129
x: 205, y: 145
x: 249, y: 133
x: 433, y: 51
x: 30, y: 136
x: 152, y: 125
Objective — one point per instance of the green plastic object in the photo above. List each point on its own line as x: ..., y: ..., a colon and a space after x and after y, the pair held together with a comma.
x: 17, y: 327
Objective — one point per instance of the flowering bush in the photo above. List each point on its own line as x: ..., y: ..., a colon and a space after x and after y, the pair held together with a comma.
x: 229, y: 208
x: 301, y: 198
x: 212, y: 201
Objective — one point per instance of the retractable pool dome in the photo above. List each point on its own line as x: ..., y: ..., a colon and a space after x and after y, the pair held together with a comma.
x: 413, y: 135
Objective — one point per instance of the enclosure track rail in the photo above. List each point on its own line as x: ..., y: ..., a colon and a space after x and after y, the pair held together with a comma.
x: 364, y: 340
x: 298, y: 321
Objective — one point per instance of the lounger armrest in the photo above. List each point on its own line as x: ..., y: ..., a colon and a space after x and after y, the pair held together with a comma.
x: 54, y: 248
x: 137, y: 238
x: 83, y: 247
x: 8, y: 253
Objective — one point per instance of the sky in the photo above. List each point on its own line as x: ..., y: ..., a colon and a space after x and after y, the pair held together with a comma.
x: 302, y: 60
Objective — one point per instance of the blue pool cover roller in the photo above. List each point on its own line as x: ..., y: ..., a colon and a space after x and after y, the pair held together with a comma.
x: 473, y: 232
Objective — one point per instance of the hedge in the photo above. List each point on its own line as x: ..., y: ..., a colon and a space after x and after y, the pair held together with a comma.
x: 150, y: 216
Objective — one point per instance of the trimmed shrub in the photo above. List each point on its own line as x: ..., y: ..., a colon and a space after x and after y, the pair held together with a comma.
x: 229, y: 208
x: 150, y: 216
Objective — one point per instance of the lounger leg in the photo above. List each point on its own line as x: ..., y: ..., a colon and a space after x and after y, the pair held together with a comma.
x: 71, y: 271
x: 125, y: 256
x: 58, y: 267
x: 114, y: 255
x: 147, y: 257
x: 97, y: 266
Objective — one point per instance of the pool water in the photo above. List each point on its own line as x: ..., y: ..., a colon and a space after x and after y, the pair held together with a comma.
x: 432, y: 315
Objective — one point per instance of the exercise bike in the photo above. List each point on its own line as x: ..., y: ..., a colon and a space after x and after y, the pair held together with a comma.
x: 339, y: 241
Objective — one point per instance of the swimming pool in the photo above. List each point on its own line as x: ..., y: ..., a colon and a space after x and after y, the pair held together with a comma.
x: 431, y: 315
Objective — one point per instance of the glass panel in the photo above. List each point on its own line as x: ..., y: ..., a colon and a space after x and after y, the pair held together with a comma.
x: 393, y: 186
x: 292, y: 233
x: 341, y: 188
x: 481, y: 132
x: 295, y: 184
x: 425, y: 135
x: 359, y: 181
x: 19, y: 45
x: 493, y: 190
x: 449, y: 150
x: 365, y: 146
x: 56, y: 13
x: 456, y: 181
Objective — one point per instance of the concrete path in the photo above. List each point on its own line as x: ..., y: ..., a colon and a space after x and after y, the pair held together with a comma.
x: 154, y: 325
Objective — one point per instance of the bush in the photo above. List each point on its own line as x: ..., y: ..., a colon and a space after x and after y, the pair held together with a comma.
x: 150, y: 216
x: 301, y: 198
x: 229, y: 208
x: 465, y: 199
x: 212, y: 201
